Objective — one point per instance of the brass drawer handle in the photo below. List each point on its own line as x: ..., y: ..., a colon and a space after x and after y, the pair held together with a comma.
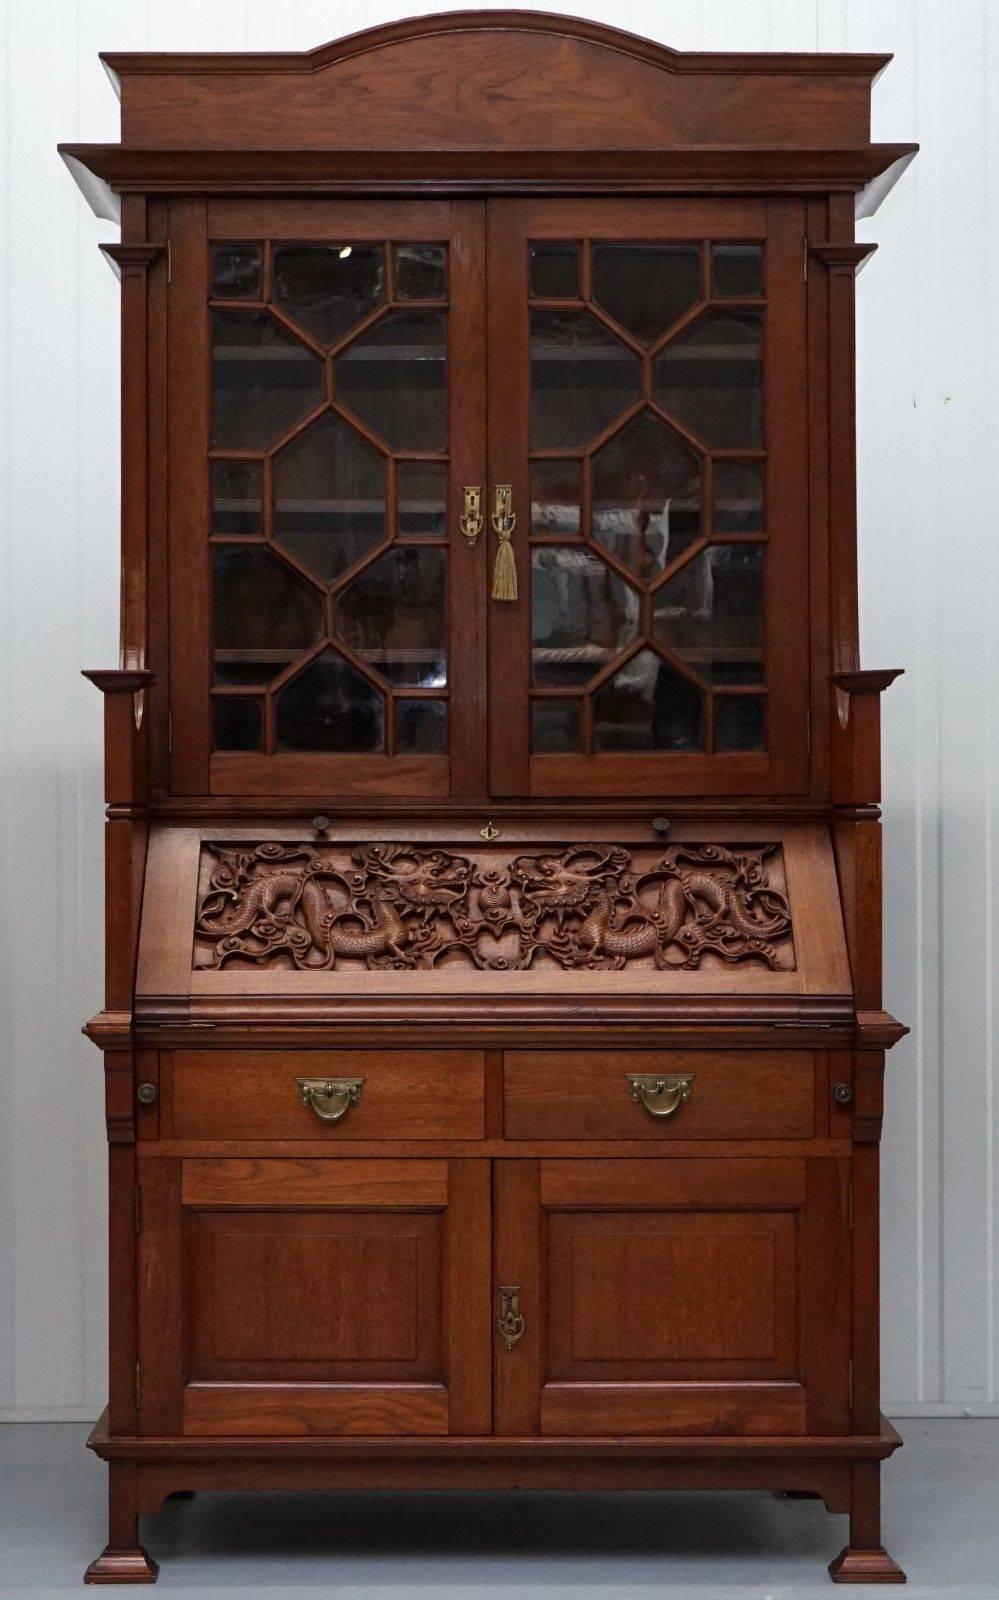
x: 329, y: 1098
x: 510, y: 1323
x: 662, y: 1094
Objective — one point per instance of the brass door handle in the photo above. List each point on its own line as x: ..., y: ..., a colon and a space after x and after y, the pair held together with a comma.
x: 504, y: 520
x: 510, y: 1323
x: 329, y: 1098
x: 662, y: 1094
x: 470, y: 521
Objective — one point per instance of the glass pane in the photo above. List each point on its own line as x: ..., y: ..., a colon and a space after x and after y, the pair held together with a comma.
x: 394, y: 378
x: 554, y: 726
x: 394, y: 616
x: 581, y: 379
x: 330, y: 706
x: 263, y: 380
x: 555, y: 496
x: 236, y: 504
x: 740, y: 722
x: 237, y: 723
x: 329, y: 497
x: 646, y: 495
x: 421, y: 490
x: 711, y: 614
x: 421, y: 727
x: 711, y: 378
x: 264, y: 615
x: 738, y: 497
x: 327, y: 288
x: 647, y: 706
x: 555, y: 271
x: 420, y: 272
x: 645, y: 287
x: 236, y: 271
x: 737, y: 270
x: 582, y: 615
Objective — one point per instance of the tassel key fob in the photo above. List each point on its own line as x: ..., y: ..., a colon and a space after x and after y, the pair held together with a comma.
x: 504, y: 520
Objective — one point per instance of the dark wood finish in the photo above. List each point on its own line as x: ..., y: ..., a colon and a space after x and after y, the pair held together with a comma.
x: 416, y: 1094
x: 583, y: 1094
x: 492, y: 939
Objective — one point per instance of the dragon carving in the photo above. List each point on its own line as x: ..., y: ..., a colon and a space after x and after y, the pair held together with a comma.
x: 398, y: 906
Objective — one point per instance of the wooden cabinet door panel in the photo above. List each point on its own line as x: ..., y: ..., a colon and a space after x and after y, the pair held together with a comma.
x: 324, y: 1296
x: 682, y: 1296
x: 647, y: 407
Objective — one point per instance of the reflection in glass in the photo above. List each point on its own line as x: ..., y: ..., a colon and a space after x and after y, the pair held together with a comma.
x: 581, y: 378
x: 710, y: 377
x: 330, y: 706
x: 263, y: 380
x: 329, y: 497
x: 740, y: 722
x: 237, y: 722
x: 327, y: 288
x: 236, y: 271
x: 394, y: 616
x: 646, y: 495
x: 421, y: 492
x: 582, y: 614
x: 264, y: 615
x: 420, y: 272
x: 236, y: 506
x: 555, y: 496
x: 394, y: 378
x: 737, y: 271
x: 421, y: 727
x: 645, y: 287
x: 554, y: 726
x: 647, y: 706
x: 711, y: 614
x: 555, y: 270
x: 738, y: 497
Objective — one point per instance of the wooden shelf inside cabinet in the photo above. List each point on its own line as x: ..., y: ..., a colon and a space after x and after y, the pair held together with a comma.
x: 493, y: 858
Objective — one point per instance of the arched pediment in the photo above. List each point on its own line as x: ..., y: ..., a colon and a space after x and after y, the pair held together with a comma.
x: 494, y: 80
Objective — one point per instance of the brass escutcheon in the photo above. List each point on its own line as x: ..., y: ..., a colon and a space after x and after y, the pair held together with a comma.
x: 470, y: 521
x: 510, y: 1323
x: 329, y: 1098
x: 661, y: 1094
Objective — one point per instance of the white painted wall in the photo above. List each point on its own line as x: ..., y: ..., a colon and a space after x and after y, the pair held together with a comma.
x: 929, y: 480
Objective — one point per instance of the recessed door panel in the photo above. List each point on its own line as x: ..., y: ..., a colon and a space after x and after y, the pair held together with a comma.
x: 676, y: 1297
x: 329, y: 1296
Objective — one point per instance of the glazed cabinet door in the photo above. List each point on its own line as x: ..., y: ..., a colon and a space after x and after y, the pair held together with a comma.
x: 326, y: 411
x: 328, y: 1296
x: 648, y: 630
x: 680, y: 1296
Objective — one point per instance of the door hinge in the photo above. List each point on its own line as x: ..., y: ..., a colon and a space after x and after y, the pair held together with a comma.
x: 138, y: 1210
x: 849, y: 1381
x: 849, y: 1207
x: 804, y: 258
x: 169, y: 733
x: 169, y: 256
x: 138, y: 1386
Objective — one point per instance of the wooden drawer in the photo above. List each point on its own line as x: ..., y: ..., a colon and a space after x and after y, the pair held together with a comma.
x: 586, y: 1094
x: 411, y: 1094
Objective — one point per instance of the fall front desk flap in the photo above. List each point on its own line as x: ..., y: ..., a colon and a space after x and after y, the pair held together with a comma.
x: 745, y: 912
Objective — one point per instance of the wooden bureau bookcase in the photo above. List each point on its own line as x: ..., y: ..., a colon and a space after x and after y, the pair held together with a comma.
x: 493, y: 1033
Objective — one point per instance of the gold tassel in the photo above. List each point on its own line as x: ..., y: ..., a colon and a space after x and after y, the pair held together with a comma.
x: 505, y: 571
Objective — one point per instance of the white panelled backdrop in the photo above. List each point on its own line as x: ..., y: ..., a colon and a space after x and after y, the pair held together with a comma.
x: 929, y: 482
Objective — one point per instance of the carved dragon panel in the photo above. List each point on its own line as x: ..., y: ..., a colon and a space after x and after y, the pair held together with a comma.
x: 590, y: 906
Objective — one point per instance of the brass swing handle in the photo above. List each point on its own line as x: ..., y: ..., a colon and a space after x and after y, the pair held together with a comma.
x: 662, y: 1094
x: 510, y: 1323
x: 329, y: 1098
